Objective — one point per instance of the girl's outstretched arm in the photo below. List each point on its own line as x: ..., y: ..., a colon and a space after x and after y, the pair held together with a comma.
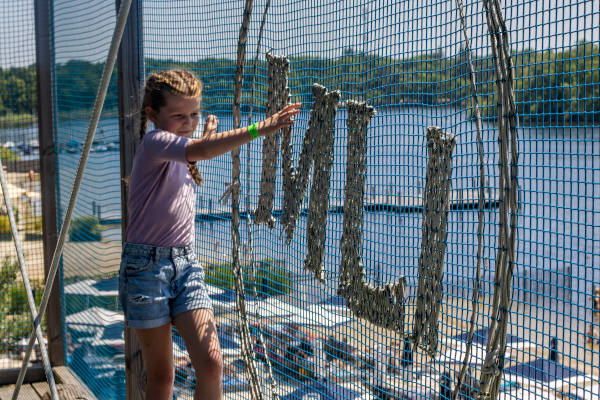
x: 213, y: 145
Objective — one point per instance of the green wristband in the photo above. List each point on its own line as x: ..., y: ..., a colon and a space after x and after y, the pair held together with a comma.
x: 253, y: 131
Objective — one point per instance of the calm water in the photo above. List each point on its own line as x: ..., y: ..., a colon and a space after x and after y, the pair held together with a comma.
x: 559, y: 177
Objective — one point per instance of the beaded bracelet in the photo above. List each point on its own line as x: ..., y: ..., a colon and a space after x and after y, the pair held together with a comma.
x: 253, y: 131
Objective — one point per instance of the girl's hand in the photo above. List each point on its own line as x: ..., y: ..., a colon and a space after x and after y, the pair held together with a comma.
x: 281, y: 119
x: 210, y: 125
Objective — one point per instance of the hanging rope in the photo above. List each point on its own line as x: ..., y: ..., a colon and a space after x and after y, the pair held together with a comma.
x: 295, y: 180
x: 383, y: 305
x: 491, y: 373
x: 98, y: 103
x: 480, y: 204
x: 243, y: 326
x: 261, y: 338
x: 433, y: 244
x: 318, y: 204
x: 277, y: 97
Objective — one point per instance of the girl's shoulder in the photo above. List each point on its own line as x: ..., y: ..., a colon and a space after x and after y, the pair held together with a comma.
x: 159, y: 134
x: 160, y: 138
x: 163, y: 146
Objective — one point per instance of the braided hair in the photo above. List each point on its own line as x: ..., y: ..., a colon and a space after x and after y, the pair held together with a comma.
x: 177, y: 83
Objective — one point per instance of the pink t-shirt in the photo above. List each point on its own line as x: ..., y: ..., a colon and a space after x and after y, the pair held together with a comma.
x: 161, y: 199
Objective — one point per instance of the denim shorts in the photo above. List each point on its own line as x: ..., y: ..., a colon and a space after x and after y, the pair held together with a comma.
x: 158, y: 283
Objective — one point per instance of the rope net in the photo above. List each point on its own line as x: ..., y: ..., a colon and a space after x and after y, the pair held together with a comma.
x: 331, y: 267
x: 19, y: 195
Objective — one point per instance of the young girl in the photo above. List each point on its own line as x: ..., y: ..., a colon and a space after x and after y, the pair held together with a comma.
x: 161, y: 282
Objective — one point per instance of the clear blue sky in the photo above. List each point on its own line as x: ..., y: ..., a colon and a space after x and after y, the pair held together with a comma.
x: 182, y: 30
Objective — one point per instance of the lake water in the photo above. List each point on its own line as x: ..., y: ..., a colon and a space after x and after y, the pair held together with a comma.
x: 558, y: 227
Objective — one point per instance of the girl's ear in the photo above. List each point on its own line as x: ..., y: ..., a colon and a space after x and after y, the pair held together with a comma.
x: 151, y: 114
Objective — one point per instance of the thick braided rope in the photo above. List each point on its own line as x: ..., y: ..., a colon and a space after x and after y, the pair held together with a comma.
x: 491, y: 373
x: 481, y: 203
x: 318, y: 204
x: 295, y: 180
x: 277, y: 97
x: 242, y: 316
x: 261, y: 338
x: 440, y: 146
x: 384, y: 305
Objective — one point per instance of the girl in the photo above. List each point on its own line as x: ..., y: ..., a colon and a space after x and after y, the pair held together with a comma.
x: 161, y: 282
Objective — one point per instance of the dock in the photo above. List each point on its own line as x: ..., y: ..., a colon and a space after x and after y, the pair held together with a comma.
x: 460, y: 199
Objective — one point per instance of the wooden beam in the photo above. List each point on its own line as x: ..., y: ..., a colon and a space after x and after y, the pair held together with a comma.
x: 45, y: 109
x: 130, y: 78
x: 66, y: 377
x: 33, y: 374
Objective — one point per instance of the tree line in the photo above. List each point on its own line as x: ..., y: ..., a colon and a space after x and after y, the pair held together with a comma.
x: 551, y: 87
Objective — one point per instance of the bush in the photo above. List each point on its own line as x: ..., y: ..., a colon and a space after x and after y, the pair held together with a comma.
x: 8, y: 155
x: 220, y: 275
x: 20, y: 120
x: 8, y: 273
x: 17, y: 297
x: 15, y: 318
x: 33, y: 223
x: 4, y: 225
x: 16, y: 327
x: 85, y: 229
x: 271, y: 278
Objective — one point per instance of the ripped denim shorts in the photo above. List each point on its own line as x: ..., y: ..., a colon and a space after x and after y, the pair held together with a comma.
x: 158, y: 283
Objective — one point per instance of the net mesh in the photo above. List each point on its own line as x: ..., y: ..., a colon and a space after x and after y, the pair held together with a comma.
x: 19, y: 151
x: 407, y: 60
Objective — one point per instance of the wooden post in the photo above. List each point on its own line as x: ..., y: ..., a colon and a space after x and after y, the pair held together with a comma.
x: 45, y: 109
x: 130, y: 74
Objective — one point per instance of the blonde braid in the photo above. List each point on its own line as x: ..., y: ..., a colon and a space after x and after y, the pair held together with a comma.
x: 175, y: 82
x: 143, y: 123
x: 193, y: 168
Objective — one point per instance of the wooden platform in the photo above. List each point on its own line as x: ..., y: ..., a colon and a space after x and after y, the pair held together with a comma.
x: 69, y: 387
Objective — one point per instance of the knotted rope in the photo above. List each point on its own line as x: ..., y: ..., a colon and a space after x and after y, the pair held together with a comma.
x: 277, y: 97
x: 491, y: 373
x: 480, y: 204
x: 383, y: 305
x: 318, y: 204
x: 261, y: 338
x: 295, y: 180
x: 433, y: 244
x: 243, y: 326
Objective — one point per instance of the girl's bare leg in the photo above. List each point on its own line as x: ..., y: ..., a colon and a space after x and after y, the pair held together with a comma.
x: 198, y: 330
x: 157, y: 348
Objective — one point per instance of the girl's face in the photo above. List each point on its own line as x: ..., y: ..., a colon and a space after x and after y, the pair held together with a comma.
x: 180, y: 115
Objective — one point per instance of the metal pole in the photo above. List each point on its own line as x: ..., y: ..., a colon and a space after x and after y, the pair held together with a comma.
x: 100, y: 96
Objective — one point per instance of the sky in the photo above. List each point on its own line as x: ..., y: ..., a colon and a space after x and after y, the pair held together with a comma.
x: 186, y: 30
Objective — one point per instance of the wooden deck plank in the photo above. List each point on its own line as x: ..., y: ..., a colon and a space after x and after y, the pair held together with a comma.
x: 68, y: 386
x: 41, y: 388
x: 26, y: 393
x: 66, y: 377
